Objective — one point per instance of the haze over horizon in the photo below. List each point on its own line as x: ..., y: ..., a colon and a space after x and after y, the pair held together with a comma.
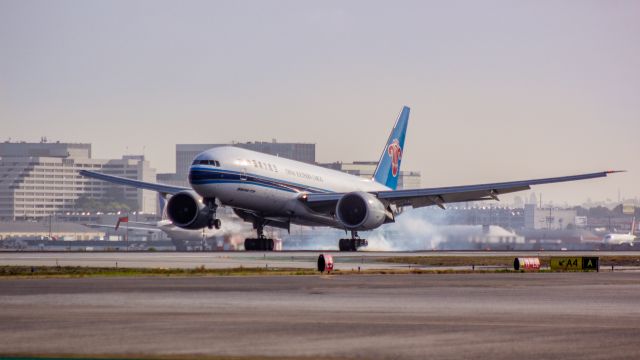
x: 499, y: 90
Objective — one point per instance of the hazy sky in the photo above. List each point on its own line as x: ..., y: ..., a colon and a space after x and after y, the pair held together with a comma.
x: 499, y: 90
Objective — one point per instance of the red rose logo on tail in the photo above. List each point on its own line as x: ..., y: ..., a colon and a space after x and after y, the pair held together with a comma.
x: 395, y: 152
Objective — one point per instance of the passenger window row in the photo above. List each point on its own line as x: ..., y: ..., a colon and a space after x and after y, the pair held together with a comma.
x: 266, y: 166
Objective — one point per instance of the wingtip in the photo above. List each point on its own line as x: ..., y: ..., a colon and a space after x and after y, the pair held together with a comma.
x: 614, y: 171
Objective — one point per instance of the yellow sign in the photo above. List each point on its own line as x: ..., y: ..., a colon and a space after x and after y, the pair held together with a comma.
x: 566, y: 264
x: 574, y: 263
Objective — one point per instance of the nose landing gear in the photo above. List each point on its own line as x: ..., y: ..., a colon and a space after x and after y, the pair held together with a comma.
x: 213, y: 222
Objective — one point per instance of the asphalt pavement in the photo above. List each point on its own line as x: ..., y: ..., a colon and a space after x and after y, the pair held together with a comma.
x: 436, y: 316
x: 277, y: 259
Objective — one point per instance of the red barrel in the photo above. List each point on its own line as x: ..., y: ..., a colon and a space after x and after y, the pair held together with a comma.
x: 325, y: 263
x: 526, y: 264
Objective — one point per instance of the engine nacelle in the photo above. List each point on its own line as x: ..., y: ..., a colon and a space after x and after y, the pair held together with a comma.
x: 187, y: 210
x: 360, y: 211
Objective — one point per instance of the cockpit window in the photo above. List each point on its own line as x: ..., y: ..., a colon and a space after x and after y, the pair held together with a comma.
x: 206, y: 162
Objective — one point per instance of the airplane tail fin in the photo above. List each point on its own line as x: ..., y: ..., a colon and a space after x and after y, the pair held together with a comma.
x: 388, y: 168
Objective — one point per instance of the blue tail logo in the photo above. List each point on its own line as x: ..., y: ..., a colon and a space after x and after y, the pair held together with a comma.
x: 388, y: 167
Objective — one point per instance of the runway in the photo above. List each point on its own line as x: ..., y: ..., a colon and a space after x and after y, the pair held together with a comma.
x: 446, y: 316
x: 285, y: 259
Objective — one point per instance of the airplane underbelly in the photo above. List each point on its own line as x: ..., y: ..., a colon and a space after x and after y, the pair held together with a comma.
x: 274, y: 202
x: 249, y: 196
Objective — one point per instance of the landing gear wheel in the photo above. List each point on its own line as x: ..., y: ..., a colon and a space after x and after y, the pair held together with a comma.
x: 259, y: 244
x: 343, y: 245
x: 212, y: 221
x: 352, y: 244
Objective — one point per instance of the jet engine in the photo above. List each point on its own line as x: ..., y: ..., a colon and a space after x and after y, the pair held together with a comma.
x: 187, y: 210
x: 360, y: 211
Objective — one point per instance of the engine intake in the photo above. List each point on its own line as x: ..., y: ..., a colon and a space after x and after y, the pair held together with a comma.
x: 360, y: 211
x: 186, y: 210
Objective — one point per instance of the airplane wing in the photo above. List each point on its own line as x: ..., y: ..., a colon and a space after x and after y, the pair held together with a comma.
x: 161, y: 188
x: 440, y: 196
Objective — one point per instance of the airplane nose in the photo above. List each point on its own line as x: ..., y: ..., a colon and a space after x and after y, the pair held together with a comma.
x: 198, y: 175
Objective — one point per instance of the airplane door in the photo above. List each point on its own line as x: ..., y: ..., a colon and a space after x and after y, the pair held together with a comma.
x: 243, y: 174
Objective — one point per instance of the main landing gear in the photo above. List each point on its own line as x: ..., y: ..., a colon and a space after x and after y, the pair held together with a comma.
x: 261, y: 243
x: 352, y: 244
x: 213, y: 222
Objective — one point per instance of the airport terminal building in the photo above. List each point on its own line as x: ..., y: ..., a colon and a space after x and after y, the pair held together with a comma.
x: 41, y: 179
x: 365, y: 169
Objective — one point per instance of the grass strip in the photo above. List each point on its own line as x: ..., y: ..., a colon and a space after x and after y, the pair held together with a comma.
x: 83, y: 271
x: 507, y: 261
x: 10, y: 272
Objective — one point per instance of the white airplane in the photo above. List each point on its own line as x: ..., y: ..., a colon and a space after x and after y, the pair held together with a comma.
x: 620, y: 239
x: 272, y: 191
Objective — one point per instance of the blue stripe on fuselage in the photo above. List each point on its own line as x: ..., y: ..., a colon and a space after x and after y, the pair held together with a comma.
x: 201, y: 175
x: 248, y: 182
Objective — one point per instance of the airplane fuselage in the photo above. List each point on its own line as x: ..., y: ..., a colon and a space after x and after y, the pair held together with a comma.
x: 270, y: 185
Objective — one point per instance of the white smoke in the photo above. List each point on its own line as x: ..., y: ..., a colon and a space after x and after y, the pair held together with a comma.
x: 412, y: 231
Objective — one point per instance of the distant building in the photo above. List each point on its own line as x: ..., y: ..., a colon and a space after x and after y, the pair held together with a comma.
x: 173, y: 179
x: 548, y: 218
x: 365, y: 169
x: 39, y: 179
x: 295, y: 151
x: 480, y: 214
x: 45, y: 231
